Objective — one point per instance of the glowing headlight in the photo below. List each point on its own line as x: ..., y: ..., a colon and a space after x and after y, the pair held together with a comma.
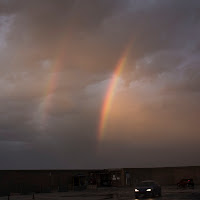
x: 136, y: 190
x: 148, y: 190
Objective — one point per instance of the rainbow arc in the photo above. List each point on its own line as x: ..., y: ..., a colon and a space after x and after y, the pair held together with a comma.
x: 107, y: 103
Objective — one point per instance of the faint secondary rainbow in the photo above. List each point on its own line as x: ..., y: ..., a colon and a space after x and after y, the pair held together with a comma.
x: 111, y: 91
x: 50, y: 89
x: 60, y: 59
x: 51, y: 85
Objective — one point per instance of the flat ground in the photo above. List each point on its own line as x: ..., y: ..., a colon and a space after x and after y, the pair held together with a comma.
x: 168, y: 193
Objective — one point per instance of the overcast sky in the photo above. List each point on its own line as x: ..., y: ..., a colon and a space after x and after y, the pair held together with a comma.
x: 57, y: 59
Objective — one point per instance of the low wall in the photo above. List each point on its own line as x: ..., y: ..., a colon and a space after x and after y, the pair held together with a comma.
x: 26, y: 181
x: 164, y: 176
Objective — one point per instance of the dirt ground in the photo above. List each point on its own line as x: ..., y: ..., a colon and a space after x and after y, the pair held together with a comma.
x: 168, y: 193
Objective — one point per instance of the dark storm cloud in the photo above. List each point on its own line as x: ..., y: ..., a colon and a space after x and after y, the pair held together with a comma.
x: 158, y: 95
x: 48, y: 25
x: 98, y: 31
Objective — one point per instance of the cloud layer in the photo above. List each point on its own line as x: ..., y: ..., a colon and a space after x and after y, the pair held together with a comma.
x: 56, y: 61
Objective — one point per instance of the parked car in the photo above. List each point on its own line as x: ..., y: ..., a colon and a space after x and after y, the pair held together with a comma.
x: 183, y: 183
x: 148, y: 188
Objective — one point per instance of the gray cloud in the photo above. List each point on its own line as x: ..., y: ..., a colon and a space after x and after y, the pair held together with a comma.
x: 56, y: 61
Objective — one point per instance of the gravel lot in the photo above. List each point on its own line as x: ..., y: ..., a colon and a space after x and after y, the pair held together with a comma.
x: 168, y: 193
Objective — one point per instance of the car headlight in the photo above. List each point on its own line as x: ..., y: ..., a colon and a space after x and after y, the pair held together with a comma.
x: 148, y: 190
x: 136, y: 190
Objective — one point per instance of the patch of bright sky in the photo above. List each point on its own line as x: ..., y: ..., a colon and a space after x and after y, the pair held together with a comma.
x: 102, y: 86
x: 140, y: 5
x: 46, y: 64
x: 6, y: 86
x: 14, y: 145
x: 5, y: 27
